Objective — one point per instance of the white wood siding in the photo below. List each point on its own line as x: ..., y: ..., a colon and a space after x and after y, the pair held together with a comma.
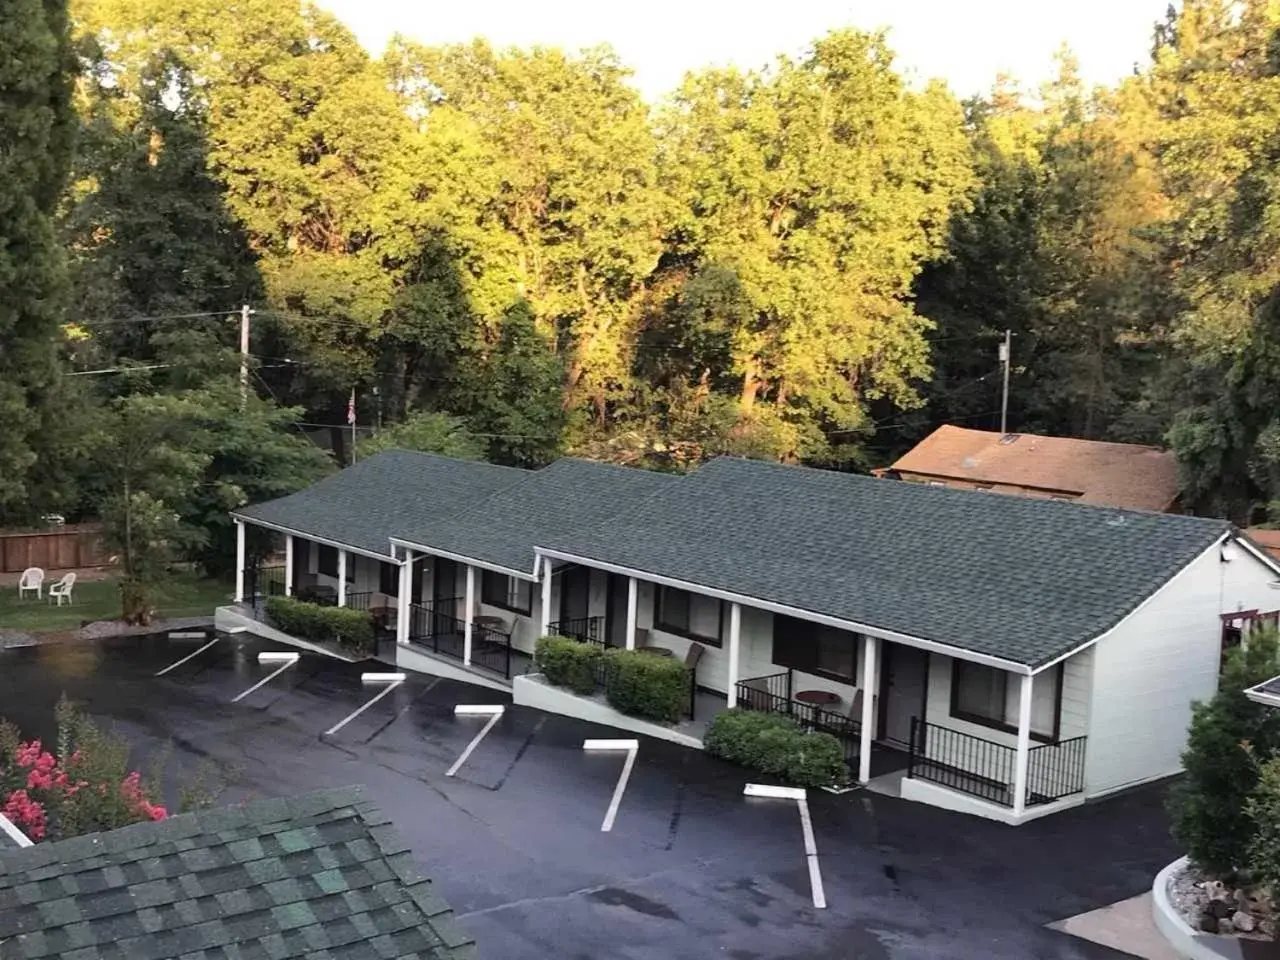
x: 1163, y: 657
x: 1077, y: 679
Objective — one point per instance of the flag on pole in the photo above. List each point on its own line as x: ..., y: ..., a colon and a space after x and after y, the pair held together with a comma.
x: 351, y: 408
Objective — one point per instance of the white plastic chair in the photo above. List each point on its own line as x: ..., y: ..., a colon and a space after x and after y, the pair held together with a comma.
x: 62, y: 588
x: 32, y: 579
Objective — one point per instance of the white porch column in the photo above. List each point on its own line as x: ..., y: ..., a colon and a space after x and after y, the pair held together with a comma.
x: 239, y: 561
x: 402, y: 599
x: 468, y: 613
x: 1024, y: 746
x: 870, y: 646
x: 631, y: 613
x: 342, y: 577
x: 544, y: 612
x: 735, y: 651
x: 288, y: 564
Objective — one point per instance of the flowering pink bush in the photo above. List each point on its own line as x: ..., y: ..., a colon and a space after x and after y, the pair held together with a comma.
x: 84, y: 788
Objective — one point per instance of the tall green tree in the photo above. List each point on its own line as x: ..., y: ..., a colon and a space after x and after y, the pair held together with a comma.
x: 810, y: 184
x: 36, y: 129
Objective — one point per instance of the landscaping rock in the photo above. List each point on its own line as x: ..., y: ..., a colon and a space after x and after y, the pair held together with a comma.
x: 1220, y: 909
x: 1226, y: 928
x: 1243, y: 922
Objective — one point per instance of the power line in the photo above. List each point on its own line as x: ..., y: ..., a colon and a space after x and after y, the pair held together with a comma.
x: 122, y: 321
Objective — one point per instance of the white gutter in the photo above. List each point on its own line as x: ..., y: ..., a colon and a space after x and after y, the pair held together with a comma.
x: 13, y: 833
x: 460, y: 558
x: 931, y: 645
x: 312, y: 537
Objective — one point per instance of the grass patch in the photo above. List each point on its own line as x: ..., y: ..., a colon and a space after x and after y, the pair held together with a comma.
x: 182, y: 595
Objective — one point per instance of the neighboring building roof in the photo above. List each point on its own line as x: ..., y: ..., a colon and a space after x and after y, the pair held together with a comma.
x: 366, y: 504
x: 1268, y: 540
x: 503, y: 529
x: 1023, y: 580
x: 1115, y: 474
x: 317, y: 876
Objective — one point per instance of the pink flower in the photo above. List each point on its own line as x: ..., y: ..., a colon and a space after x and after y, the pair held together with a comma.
x: 158, y: 813
x: 26, y: 813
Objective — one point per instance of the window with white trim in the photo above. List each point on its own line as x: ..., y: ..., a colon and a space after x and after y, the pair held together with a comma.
x: 989, y: 696
x: 509, y: 593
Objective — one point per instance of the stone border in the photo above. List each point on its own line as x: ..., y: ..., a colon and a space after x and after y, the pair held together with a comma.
x: 1187, y: 942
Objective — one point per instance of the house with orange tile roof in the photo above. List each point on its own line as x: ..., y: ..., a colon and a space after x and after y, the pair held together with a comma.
x: 1127, y: 475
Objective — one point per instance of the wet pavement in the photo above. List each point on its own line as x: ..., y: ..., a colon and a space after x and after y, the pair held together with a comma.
x: 690, y: 869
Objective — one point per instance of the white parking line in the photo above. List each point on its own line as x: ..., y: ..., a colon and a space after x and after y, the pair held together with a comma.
x: 286, y: 660
x: 632, y: 747
x: 392, y: 680
x: 188, y: 634
x: 494, y: 713
x: 189, y: 656
x: 801, y: 798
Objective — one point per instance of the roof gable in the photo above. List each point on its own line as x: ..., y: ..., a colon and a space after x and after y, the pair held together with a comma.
x: 1125, y: 475
x: 503, y: 529
x: 318, y: 875
x: 1022, y: 580
x: 364, y: 505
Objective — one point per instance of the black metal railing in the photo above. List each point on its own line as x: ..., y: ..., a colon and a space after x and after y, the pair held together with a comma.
x: 773, y: 694
x: 985, y: 769
x: 585, y: 629
x: 359, y: 601
x: 1055, y: 770
x: 441, y: 633
x: 262, y: 581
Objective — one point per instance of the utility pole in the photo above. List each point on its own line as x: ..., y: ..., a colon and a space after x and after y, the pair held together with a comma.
x: 244, y: 355
x: 1004, y: 393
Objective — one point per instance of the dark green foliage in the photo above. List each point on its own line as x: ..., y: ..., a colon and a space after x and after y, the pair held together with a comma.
x: 311, y: 621
x: 1263, y: 809
x: 519, y: 401
x: 36, y: 123
x: 1230, y: 735
x: 642, y: 685
x: 778, y: 747
x: 569, y: 663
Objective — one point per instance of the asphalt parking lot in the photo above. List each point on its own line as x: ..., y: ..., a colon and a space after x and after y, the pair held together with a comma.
x: 690, y: 868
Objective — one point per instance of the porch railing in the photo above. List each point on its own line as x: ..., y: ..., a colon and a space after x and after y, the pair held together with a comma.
x: 585, y: 629
x: 985, y: 769
x: 444, y: 634
x: 360, y: 601
x: 773, y: 694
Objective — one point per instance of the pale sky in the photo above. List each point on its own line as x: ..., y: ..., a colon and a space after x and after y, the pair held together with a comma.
x: 966, y: 42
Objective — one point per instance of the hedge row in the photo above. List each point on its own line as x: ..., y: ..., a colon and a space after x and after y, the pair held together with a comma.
x: 639, y: 684
x: 568, y: 663
x: 311, y: 621
x: 777, y: 746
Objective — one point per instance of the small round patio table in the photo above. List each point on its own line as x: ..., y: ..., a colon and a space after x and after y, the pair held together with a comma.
x: 657, y: 651
x: 819, y: 698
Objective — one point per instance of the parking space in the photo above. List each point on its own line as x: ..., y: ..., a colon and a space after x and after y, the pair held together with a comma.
x: 689, y: 868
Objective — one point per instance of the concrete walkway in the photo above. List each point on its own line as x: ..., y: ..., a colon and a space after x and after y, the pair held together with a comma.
x: 1126, y: 926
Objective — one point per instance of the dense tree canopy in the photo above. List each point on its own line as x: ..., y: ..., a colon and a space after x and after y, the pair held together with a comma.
x: 513, y: 256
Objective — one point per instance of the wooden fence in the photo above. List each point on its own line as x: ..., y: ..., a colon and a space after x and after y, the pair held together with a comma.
x: 73, y: 546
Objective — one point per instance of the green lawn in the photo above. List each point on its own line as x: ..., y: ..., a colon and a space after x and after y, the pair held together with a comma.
x: 184, y: 595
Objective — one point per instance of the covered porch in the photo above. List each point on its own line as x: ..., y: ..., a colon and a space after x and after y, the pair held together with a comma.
x: 434, y: 609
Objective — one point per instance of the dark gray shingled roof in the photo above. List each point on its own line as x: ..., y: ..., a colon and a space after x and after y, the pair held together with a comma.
x: 321, y: 876
x: 1019, y: 579
x: 568, y: 494
x: 366, y: 504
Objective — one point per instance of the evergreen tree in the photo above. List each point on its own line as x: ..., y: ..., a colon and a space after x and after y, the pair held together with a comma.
x: 36, y: 124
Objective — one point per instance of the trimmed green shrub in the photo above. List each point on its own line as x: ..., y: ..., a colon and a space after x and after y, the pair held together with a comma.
x: 777, y: 746
x: 1230, y: 738
x: 311, y: 621
x: 568, y: 663
x: 643, y: 685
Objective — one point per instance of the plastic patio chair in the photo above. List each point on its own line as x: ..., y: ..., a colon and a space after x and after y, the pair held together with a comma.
x: 32, y: 579
x: 62, y: 588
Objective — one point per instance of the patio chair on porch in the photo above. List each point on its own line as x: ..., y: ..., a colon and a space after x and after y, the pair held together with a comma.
x: 32, y: 579
x: 691, y: 658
